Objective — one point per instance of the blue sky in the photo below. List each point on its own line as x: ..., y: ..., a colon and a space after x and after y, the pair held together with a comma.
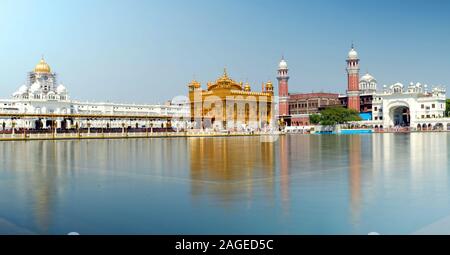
x: 147, y: 51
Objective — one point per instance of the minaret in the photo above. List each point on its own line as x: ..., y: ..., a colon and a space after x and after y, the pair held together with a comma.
x: 353, y: 80
x: 283, y: 89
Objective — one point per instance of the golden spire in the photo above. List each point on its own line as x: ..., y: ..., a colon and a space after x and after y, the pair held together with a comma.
x: 225, y: 75
x: 247, y: 87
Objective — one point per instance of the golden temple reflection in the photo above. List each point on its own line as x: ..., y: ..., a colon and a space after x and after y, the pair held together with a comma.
x: 229, y: 168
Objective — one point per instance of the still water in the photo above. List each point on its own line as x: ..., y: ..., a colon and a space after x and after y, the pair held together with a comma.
x: 300, y: 184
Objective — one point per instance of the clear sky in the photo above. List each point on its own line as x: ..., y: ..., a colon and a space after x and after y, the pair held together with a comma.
x: 147, y: 51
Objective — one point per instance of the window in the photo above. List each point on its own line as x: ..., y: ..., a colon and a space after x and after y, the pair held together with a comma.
x: 433, y: 106
x: 422, y: 106
x: 423, y: 116
x: 375, y: 108
x: 381, y: 118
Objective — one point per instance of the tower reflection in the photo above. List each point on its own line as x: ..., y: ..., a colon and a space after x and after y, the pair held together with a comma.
x: 284, y: 171
x: 355, y: 162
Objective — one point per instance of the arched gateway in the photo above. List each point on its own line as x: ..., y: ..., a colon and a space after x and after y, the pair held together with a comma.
x: 399, y: 115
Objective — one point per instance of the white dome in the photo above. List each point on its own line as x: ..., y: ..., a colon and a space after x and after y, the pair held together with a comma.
x: 398, y: 84
x: 353, y: 54
x: 283, y: 64
x: 23, y: 89
x: 36, y: 87
x: 61, y: 89
x: 367, y: 77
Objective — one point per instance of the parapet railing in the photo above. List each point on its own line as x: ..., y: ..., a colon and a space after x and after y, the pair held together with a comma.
x: 115, y: 133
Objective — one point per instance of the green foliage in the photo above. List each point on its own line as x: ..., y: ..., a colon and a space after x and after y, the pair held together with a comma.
x: 335, y: 115
x: 447, y: 107
x: 314, y: 119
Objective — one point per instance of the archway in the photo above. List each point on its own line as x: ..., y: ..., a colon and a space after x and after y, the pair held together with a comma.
x: 49, y: 123
x: 38, y: 124
x: 400, y: 116
x: 439, y: 126
x: 64, y: 124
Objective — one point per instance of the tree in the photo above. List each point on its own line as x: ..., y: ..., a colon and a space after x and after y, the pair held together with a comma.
x: 314, y: 119
x: 337, y: 115
x: 447, y: 107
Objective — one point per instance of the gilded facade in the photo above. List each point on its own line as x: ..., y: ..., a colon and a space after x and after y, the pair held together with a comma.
x: 227, y: 104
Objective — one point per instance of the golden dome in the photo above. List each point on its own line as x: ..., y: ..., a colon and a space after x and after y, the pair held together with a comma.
x: 247, y: 87
x: 225, y: 81
x: 42, y: 67
x: 269, y: 86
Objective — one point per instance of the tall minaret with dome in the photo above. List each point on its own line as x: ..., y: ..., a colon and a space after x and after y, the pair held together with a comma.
x: 283, y: 88
x: 353, y: 93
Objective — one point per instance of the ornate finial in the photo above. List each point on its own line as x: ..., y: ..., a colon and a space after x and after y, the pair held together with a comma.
x: 353, y: 45
x: 247, y: 87
x: 225, y: 72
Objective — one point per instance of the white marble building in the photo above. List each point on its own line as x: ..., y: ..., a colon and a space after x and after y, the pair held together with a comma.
x: 414, y: 106
x: 43, y: 95
x: 367, y: 84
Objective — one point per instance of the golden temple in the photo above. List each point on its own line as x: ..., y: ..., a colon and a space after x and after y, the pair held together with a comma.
x: 227, y: 104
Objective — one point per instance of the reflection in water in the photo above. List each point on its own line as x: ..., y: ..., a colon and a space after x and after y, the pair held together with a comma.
x: 354, y: 152
x: 228, y: 168
x: 429, y: 161
x: 301, y: 184
x: 33, y: 161
x: 43, y: 170
x: 284, y: 154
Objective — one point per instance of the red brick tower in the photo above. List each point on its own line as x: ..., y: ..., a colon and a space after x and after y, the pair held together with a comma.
x: 283, y: 89
x: 353, y: 80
